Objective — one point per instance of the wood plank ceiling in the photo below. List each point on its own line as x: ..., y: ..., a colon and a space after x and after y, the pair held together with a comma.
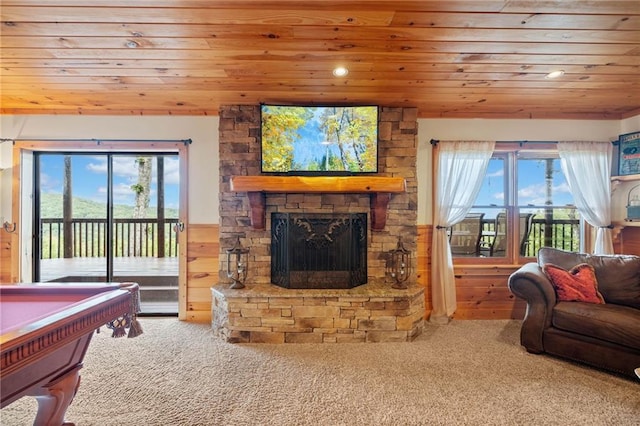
x: 448, y: 58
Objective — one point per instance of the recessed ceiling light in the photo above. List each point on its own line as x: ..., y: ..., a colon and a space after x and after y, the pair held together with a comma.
x: 554, y: 74
x: 340, y: 71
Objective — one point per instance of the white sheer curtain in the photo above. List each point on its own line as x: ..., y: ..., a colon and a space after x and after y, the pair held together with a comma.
x: 587, y: 167
x: 460, y: 169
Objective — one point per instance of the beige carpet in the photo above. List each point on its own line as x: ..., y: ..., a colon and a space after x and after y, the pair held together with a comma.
x: 468, y: 372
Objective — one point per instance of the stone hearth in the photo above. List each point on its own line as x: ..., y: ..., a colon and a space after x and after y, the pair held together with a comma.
x: 270, y: 314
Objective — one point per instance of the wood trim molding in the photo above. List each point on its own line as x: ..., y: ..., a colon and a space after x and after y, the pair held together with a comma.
x: 380, y: 188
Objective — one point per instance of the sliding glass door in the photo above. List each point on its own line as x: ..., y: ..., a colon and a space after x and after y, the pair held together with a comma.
x: 71, y: 218
x: 144, y: 226
x: 109, y: 217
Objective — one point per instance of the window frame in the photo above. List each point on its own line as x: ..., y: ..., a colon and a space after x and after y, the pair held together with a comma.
x: 511, y: 152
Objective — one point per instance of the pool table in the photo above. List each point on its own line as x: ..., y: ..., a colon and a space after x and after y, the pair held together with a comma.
x: 45, y: 331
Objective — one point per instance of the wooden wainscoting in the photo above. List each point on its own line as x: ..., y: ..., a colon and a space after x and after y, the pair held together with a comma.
x: 482, y: 293
x: 5, y: 257
x: 628, y: 242
x: 423, y: 264
x: 203, y: 249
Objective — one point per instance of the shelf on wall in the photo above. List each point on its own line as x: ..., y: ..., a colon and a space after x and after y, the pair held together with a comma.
x: 627, y: 222
x: 380, y: 188
x: 627, y: 178
x: 617, y: 181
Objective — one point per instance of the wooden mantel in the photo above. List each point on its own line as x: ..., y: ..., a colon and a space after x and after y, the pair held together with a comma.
x: 380, y: 188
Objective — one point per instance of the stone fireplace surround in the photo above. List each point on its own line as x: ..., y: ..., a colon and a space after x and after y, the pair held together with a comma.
x: 263, y: 312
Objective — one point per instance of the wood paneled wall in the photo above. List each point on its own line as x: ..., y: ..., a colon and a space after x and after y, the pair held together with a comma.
x: 481, y: 291
x: 203, y: 247
x: 628, y: 242
x: 5, y: 257
x: 423, y: 264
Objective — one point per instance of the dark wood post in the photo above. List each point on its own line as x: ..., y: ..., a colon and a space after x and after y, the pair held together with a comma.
x: 67, y: 209
x: 160, y: 206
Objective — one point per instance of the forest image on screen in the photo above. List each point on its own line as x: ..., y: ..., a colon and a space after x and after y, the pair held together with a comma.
x: 319, y: 139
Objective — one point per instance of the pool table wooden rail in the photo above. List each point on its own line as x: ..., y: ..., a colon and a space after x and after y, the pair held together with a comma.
x: 43, y: 358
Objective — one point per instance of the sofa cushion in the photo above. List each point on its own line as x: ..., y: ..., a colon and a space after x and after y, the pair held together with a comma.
x: 612, y: 323
x: 579, y: 284
x: 618, y: 275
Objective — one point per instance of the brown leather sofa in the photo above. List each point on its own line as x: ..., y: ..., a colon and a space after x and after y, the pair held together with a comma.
x: 605, y: 336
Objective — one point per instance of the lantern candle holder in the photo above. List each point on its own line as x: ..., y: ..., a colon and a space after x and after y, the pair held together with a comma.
x: 237, y: 264
x: 400, y: 265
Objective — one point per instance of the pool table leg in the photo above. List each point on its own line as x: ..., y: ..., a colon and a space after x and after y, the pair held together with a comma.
x: 55, y: 397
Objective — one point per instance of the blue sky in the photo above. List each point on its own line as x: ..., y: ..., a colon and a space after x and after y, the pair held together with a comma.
x: 89, y: 177
x: 531, y: 184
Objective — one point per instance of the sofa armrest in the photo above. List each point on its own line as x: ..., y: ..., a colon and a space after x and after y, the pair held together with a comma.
x: 531, y: 284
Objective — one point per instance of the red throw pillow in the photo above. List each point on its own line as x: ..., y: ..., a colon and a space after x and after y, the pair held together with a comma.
x: 579, y: 284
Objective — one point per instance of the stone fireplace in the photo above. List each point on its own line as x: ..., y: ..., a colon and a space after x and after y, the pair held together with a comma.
x: 335, y: 310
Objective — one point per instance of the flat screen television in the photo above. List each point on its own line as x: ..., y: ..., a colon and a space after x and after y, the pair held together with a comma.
x: 319, y: 140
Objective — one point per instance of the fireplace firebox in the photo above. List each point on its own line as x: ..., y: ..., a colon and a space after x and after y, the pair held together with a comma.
x: 318, y: 250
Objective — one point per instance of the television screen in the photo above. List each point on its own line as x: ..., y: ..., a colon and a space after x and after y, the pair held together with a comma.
x: 319, y: 140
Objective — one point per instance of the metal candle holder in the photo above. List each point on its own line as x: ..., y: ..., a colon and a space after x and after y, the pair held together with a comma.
x: 400, y: 265
x: 237, y: 264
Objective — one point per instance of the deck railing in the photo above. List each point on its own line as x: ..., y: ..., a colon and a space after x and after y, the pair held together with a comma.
x: 88, y: 238
x: 157, y: 238
x: 563, y: 234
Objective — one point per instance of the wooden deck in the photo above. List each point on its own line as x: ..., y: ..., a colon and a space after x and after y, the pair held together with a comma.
x: 51, y: 269
x: 157, y: 277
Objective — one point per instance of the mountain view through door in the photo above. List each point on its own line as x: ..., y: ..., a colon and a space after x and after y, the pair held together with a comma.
x: 109, y: 218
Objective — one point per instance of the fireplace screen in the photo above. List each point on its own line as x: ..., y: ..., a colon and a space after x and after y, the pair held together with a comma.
x: 318, y: 250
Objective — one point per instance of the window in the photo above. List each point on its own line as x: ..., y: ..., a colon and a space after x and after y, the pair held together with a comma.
x: 524, y: 204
